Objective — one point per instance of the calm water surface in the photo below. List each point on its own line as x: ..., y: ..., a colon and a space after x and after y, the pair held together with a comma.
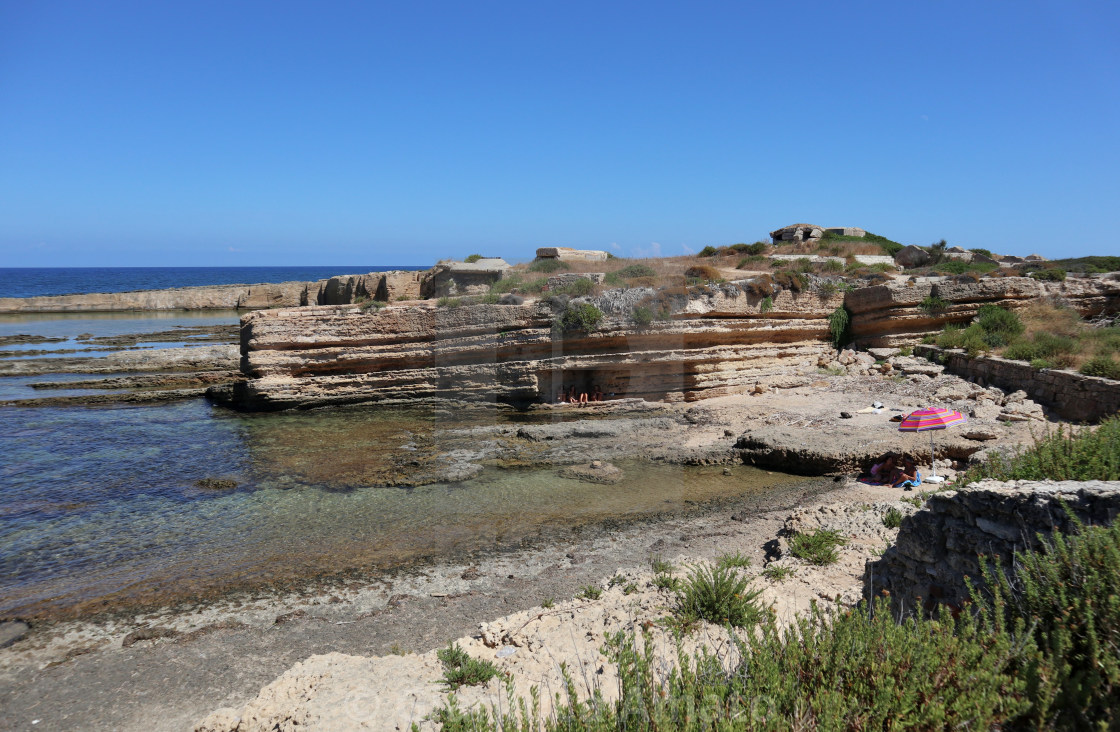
x: 99, y: 508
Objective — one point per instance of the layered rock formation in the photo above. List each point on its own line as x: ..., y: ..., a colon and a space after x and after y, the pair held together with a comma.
x: 901, y: 312
x: 394, y: 285
x: 718, y: 342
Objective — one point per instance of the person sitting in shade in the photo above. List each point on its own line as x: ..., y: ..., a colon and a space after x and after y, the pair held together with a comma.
x: 560, y: 396
x: 597, y: 394
x: 908, y: 476
x: 885, y: 472
x: 583, y: 397
x: 573, y: 395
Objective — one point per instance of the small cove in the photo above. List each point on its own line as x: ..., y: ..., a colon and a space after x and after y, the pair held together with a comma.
x: 100, y: 511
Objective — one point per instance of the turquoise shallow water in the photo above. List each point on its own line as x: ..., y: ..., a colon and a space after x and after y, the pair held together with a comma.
x: 99, y: 507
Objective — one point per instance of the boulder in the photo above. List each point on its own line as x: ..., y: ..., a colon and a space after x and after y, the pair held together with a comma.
x: 797, y: 233
x: 912, y: 256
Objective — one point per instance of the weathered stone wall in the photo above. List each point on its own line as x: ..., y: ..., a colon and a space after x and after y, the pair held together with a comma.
x: 1071, y: 395
x: 938, y: 547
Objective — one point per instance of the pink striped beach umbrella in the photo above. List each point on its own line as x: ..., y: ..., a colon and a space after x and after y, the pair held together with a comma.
x: 930, y: 419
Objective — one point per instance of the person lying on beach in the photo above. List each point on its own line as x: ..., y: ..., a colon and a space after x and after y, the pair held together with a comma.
x: 908, y: 476
x: 885, y: 472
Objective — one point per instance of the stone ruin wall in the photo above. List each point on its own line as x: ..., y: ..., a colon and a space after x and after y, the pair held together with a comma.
x: 941, y: 545
x: 1071, y: 395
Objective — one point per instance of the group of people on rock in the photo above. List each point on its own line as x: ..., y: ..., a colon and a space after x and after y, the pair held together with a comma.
x: 574, y: 396
x: 900, y: 471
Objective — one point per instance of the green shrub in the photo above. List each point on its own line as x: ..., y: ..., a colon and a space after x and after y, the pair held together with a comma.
x: 589, y: 592
x: 614, y: 279
x: 1068, y: 598
x: 576, y: 288
x: 1000, y: 326
x: 472, y: 258
x: 818, y: 547
x: 708, y: 251
x: 892, y: 519
x: 1052, y: 274
x: 719, y: 595
x: 583, y: 317
x: 460, y: 669
x: 959, y: 266
x: 631, y: 271
x: 970, y: 339
x: 754, y: 250
x: 733, y: 560
x: 982, y: 252
x: 933, y: 304
x: 1084, y: 454
x: 666, y: 581
x: 838, y: 322
x: 1042, y: 345
x: 832, y: 265
x: 449, y: 302
x: 506, y: 284
x: 660, y: 566
x: 641, y: 315
x: 1104, y: 366
x: 766, y: 305
x: 777, y: 572
x: 827, y: 288
x: 548, y: 266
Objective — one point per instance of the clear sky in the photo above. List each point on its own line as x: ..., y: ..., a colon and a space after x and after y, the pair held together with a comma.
x: 317, y: 133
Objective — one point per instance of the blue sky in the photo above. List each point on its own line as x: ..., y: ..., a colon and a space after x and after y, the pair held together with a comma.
x: 285, y: 133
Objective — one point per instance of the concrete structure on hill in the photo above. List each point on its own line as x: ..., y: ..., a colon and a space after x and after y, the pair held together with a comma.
x: 566, y: 254
x: 450, y: 278
x: 796, y: 233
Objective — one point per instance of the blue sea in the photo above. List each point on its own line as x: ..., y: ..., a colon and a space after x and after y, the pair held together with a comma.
x: 33, y: 281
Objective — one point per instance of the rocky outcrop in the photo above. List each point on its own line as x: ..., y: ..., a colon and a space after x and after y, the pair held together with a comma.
x: 395, y: 285
x: 942, y: 545
x: 381, y: 286
x: 453, y: 279
x: 912, y: 256
x: 901, y: 312
x: 717, y: 342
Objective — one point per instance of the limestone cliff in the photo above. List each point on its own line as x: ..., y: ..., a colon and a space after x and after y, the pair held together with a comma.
x: 716, y: 342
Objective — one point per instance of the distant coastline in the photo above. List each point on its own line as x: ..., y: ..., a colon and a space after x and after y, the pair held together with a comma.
x: 49, y: 281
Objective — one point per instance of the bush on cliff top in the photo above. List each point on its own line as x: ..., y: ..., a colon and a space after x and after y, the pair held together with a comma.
x: 582, y: 317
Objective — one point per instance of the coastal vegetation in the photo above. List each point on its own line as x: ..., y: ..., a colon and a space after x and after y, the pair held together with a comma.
x: 1046, y: 335
x: 818, y: 547
x: 1034, y: 650
x: 1083, y: 453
